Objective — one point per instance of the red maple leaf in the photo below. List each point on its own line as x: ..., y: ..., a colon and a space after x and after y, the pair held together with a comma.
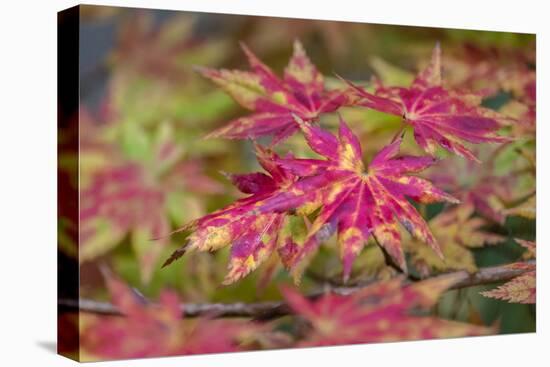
x: 253, y: 237
x: 438, y: 115
x: 381, y: 312
x: 356, y: 201
x: 274, y: 101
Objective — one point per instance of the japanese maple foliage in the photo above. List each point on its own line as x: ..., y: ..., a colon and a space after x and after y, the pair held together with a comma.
x: 481, y: 185
x: 439, y: 116
x: 124, y: 198
x: 336, y: 222
x: 339, y: 193
x: 274, y: 101
x: 356, y: 201
x: 152, y: 330
x: 521, y: 289
x: 492, y: 71
x: 253, y: 238
x: 458, y: 231
x: 120, y: 201
x: 381, y: 312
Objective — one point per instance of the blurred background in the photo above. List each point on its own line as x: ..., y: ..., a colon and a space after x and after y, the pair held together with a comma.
x: 145, y: 169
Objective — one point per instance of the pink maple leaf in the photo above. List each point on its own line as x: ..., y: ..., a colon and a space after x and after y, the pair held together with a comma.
x: 358, y: 201
x: 274, y: 101
x: 439, y: 116
x: 253, y: 237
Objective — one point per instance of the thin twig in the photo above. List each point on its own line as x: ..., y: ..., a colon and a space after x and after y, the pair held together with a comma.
x: 273, y: 309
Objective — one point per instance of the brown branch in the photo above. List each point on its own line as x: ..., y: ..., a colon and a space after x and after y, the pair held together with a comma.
x: 273, y: 309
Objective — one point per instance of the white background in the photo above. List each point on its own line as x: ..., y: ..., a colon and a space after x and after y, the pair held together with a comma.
x: 28, y: 183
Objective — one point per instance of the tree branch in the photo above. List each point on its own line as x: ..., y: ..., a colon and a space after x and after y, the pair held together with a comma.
x: 273, y: 309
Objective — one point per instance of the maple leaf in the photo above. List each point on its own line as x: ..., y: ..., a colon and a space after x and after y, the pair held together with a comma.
x: 274, y: 101
x: 253, y: 237
x: 356, y: 201
x: 523, y: 288
x: 439, y: 116
x: 153, y: 330
x: 381, y: 312
x: 457, y: 231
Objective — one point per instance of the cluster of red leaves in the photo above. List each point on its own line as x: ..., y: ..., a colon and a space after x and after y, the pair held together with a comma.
x: 354, y: 202
x: 153, y: 330
x: 352, y: 199
x: 336, y: 193
x: 358, y: 202
x: 381, y: 312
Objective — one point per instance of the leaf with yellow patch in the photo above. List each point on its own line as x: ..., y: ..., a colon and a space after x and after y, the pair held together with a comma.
x: 253, y: 236
x: 438, y: 115
x: 274, y: 101
x: 354, y: 201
